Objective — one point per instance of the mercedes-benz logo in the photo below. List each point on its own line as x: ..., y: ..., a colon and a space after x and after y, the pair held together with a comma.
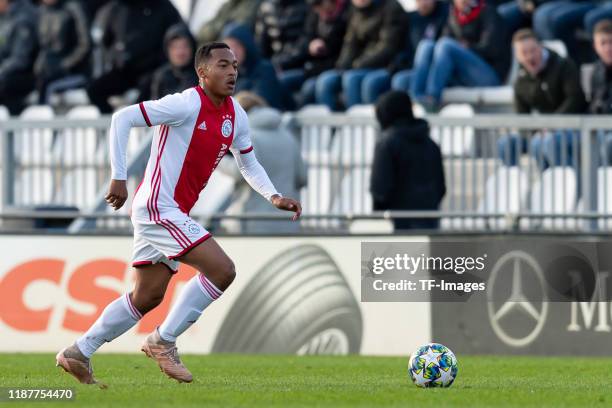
x: 520, y: 262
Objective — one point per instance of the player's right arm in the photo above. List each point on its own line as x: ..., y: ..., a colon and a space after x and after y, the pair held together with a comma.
x: 171, y: 110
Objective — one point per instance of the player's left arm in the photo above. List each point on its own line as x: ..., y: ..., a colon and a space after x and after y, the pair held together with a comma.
x: 252, y: 171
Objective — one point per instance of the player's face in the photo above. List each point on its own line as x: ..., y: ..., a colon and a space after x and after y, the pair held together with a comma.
x: 3, y: 6
x: 529, y: 55
x: 222, y: 72
x: 603, y: 47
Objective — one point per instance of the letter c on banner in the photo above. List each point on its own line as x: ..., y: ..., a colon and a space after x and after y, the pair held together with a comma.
x: 13, y: 311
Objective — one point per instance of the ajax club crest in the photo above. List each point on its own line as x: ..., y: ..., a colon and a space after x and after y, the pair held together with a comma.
x: 226, y: 127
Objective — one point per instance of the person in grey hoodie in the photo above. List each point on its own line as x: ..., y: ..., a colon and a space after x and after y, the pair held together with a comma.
x: 279, y: 153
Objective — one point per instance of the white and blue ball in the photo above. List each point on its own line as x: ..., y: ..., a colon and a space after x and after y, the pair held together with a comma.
x: 433, y: 365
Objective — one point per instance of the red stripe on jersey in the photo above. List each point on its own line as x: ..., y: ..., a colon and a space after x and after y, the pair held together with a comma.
x: 156, y: 176
x: 206, y: 148
x: 144, y: 114
x: 247, y: 150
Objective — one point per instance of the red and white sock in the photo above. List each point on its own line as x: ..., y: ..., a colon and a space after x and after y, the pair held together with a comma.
x: 196, y: 295
x: 117, y: 318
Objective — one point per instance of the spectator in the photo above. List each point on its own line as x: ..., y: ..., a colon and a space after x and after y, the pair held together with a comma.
x: 474, y: 52
x: 407, y: 172
x: 255, y: 73
x: 232, y: 11
x: 375, y: 35
x: 559, y: 19
x: 278, y: 27
x: 131, y: 32
x: 601, y: 83
x: 91, y: 7
x: 518, y: 13
x: 546, y: 83
x: 65, y: 45
x: 602, y: 12
x: 318, y: 47
x: 424, y: 24
x: 279, y: 153
x: 178, y: 74
x: 18, y: 48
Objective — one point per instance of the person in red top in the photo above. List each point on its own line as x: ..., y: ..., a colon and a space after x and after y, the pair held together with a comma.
x: 194, y: 130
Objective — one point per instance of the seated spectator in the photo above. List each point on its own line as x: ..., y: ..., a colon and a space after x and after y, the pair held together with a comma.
x: 375, y: 35
x: 546, y: 83
x: 317, y: 48
x: 18, y: 48
x: 474, y: 52
x: 255, y: 73
x: 602, y: 12
x: 279, y: 153
x: 518, y: 13
x: 425, y: 24
x: 178, y: 74
x: 131, y: 34
x: 559, y: 19
x: 65, y: 45
x: 232, y: 11
x: 407, y: 172
x: 278, y: 27
x: 601, y: 84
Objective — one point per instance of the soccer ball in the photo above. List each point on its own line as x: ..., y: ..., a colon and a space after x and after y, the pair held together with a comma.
x: 433, y: 365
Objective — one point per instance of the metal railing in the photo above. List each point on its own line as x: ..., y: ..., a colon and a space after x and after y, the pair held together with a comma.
x: 59, y: 169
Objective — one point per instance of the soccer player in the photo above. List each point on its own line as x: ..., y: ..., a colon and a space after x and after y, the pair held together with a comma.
x: 194, y: 130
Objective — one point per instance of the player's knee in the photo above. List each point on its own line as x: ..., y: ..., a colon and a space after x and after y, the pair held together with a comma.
x: 145, y: 302
x: 228, y: 272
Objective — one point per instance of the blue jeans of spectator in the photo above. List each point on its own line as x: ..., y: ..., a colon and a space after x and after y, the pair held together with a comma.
x: 423, y: 57
x: 558, y: 20
x: 559, y: 148
x: 514, y: 17
x: 358, y: 86
x: 452, y: 62
x: 402, y: 80
x: 292, y: 79
x: 308, y: 92
x: 594, y: 16
x: 604, y: 141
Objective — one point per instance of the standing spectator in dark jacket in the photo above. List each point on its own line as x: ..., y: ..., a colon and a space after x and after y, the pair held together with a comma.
x: 425, y: 25
x: 18, y: 48
x: 318, y: 47
x: 232, y: 11
x: 65, y: 45
x: 178, y: 74
x: 546, y: 83
x: 131, y: 33
x: 375, y: 35
x: 279, y: 25
x: 407, y: 172
x: 255, y: 73
x: 601, y: 84
x: 474, y: 52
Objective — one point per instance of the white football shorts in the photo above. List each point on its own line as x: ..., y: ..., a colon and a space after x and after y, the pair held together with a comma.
x: 166, y: 239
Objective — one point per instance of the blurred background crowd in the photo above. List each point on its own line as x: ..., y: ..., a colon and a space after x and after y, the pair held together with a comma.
x: 292, y: 53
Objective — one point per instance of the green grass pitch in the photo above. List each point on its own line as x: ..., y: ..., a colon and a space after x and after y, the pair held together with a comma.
x: 322, y: 381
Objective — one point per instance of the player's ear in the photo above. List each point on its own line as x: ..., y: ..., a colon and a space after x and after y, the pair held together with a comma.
x: 202, y: 71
